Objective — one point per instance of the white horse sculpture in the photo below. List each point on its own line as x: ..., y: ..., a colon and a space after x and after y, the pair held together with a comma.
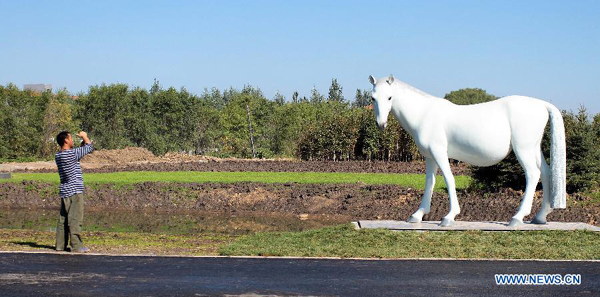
x: 482, y: 135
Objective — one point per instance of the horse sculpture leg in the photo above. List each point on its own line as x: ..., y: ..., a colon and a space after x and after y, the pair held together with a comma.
x: 531, y: 165
x: 426, y: 199
x: 441, y: 158
x: 540, y: 217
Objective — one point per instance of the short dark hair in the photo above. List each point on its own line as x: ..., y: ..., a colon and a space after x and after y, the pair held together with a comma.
x: 61, y: 137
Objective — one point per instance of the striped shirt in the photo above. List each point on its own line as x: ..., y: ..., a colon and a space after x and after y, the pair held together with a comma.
x: 69, y: 169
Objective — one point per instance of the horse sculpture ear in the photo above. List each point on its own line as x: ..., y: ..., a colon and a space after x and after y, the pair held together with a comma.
x: 390, y: 79
x: 372, y: 80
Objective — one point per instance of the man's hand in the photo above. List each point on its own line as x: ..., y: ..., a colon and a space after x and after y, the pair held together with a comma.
x: 83, y: 135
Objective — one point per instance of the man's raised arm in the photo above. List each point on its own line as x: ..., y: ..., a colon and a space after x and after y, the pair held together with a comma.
x: 86, y: 149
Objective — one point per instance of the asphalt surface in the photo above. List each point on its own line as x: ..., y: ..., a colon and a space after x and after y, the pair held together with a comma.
x: 23, y: 274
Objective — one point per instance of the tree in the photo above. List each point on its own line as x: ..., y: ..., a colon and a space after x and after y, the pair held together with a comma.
x: 209, y: 129
x: 279, y: 99
x: 295, y: 97
x: 335, y: 92
x: 22, y: 122
x: 234, y: 122
x: 213, y: 98
x: 469, y: 96
x: 57, y: 118
x: 369, y: 135
x: 175, y: 119
x: 583, y: 156
x: 285, y: 128
x: 139, y: 122
x: 315, y: 96
x: 596, y: 125
x: 250, y: 132
x: 332, y: 137
x: 362, y: 98
x: 5, y: 119
x: 102, y: 112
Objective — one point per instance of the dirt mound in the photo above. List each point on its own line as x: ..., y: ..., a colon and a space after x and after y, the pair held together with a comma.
x: 357, y: 201
x: 120, y: 156
x: 111, y: 160
x: 183, y: 157
x: 136, y: 155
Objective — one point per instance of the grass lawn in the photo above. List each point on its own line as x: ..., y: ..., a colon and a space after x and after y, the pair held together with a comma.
x: 344, y: 241
x: 337, y: 241
x: 119, y: 242
x: 131, y: 177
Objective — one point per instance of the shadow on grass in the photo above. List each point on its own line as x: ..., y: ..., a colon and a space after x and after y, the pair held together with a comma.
x: 33, y: 245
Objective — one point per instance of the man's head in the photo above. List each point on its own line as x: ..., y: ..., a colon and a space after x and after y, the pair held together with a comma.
x: 64, y: 140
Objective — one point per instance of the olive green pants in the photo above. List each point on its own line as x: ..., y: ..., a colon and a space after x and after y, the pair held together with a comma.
x: 70, y: 223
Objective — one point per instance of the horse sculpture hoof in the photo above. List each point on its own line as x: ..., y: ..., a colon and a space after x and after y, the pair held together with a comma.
x: 414, y: 220
x: 515, y: 223
x: 446, y: 222
x: 539, y: 221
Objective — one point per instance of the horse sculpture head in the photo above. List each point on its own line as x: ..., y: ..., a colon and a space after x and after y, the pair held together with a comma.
x: 382, y: 99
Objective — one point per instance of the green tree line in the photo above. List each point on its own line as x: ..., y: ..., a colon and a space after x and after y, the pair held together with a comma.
x: 244, y: 123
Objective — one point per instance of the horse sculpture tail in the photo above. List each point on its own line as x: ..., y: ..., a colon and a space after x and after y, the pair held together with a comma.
x: 558, y: 159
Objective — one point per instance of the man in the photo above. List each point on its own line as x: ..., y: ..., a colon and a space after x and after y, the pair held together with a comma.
x: 71, y: 191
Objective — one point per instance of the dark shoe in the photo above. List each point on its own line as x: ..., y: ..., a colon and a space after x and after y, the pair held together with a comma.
x: 81, y: 250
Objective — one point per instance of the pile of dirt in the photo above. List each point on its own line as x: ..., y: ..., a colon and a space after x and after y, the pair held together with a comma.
x: 357, y: 201
x: 137, y: 155
x: 111, y: 160
x: 183, y: 157
x: 120, y: 156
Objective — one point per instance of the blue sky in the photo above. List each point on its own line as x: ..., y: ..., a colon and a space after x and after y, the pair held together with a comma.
x: 544, y: 49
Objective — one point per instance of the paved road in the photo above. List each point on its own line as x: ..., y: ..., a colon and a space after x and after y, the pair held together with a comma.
x: 24, y: 274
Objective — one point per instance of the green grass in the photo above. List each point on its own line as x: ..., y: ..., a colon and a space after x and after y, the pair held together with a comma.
x: 594, y: 198
x: 132, y: 177
x: 344, y: 241
x: 337, y: 241
x: 119, y: 242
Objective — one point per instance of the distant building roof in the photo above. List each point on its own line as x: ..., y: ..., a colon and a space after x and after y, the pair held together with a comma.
x: 39, y: 88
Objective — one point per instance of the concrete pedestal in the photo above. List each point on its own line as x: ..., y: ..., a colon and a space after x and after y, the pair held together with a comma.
x: 463, y: 226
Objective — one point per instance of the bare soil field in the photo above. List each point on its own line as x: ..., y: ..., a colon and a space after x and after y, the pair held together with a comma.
x: 356, y: 201
x: 228, y: 165
x: 140, y: 159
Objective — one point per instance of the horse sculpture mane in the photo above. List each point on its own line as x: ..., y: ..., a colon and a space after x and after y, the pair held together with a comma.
x: 480, y: 134
x: 410, y: 88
